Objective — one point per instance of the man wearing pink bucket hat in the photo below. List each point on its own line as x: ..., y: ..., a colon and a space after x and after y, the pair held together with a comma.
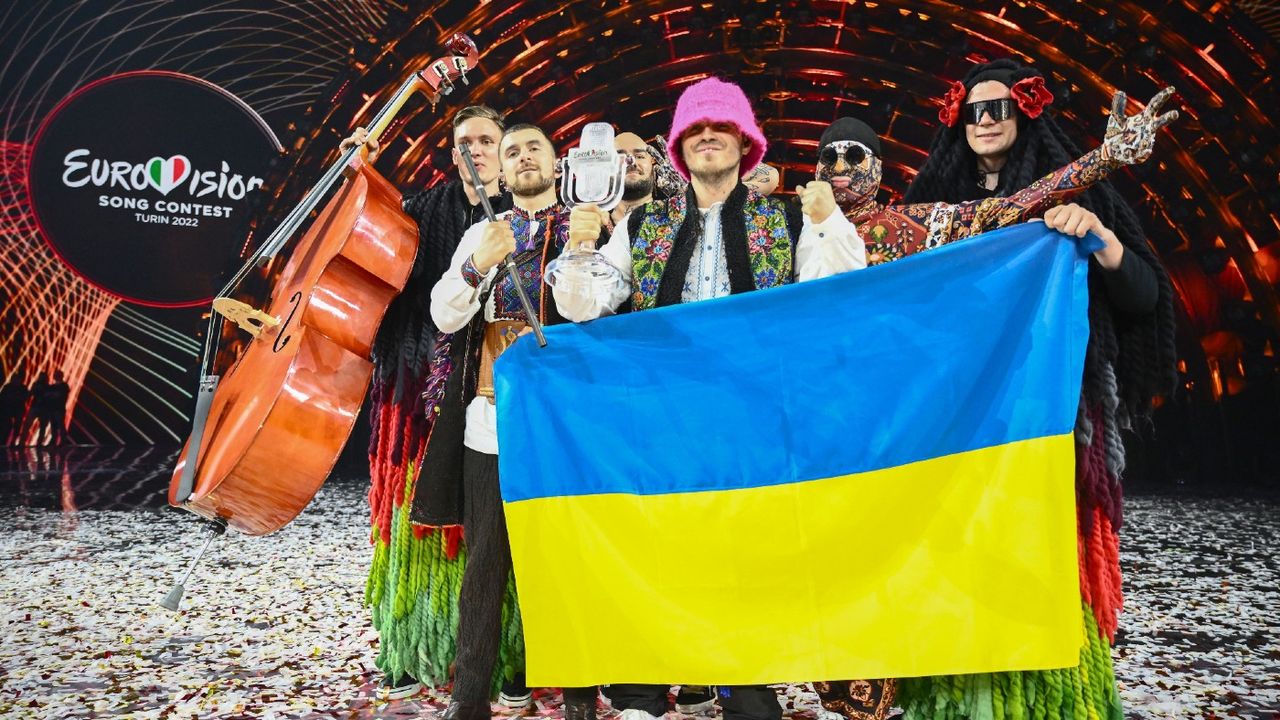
x: 717, y: 238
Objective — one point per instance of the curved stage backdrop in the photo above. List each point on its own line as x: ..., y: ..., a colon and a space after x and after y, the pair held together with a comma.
x: 122, y: 214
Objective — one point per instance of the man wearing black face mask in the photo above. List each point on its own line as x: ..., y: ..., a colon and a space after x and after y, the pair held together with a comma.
x: 849, y: 159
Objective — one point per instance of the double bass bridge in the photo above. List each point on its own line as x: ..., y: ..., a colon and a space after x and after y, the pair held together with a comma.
x: 250, y: 319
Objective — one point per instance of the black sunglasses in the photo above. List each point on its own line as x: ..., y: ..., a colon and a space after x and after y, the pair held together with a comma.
x: 853, y: 151
x: 998, y: 110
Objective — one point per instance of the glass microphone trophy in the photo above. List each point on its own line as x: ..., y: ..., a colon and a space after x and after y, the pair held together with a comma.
x: 594, y: 172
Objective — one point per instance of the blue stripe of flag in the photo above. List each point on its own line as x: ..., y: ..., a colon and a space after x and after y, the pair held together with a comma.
x: 972, y: 345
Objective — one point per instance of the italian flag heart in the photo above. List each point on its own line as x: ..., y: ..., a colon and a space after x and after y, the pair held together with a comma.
x: 167, y: 174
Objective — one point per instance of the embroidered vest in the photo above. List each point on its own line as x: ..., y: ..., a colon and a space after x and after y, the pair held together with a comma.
x: 531, y: 256
x: 769, y: 244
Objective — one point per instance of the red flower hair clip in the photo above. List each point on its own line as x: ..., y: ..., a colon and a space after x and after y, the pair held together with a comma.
x: 951, y: 104
x: 1031, y: 95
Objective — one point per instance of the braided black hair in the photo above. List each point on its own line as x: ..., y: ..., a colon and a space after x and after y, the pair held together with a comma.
x: 406, y: 337
x: 443, y: 214
x: 1141, y: 349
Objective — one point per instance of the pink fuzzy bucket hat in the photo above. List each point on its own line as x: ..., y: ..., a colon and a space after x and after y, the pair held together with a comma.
x: 713, y: 100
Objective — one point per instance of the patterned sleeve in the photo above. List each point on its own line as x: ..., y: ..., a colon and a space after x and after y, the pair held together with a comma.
x: 1054, y: 189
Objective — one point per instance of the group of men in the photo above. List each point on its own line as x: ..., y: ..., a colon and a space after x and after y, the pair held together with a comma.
x: 718, y: 231
x: 35, y: 415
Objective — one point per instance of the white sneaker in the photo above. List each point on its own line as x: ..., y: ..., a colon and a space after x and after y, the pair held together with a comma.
x: 515, y: 702
x: 633, y: 714
x: 398, y: 688
x: 514, y: 694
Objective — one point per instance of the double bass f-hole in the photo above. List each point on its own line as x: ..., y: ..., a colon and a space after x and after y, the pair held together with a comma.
x: 283, y: 337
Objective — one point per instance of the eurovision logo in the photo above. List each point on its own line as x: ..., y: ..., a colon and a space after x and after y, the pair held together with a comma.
x: 153, y: 204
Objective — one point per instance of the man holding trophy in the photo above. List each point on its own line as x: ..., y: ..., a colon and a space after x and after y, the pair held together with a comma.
x: 716, y: 239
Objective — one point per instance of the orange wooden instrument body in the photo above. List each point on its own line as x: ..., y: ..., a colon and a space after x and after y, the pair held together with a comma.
x: 279, y: 418
x: 282, y: 414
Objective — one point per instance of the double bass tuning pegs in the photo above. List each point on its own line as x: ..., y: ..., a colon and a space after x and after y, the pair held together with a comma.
x: 461, y: 44
x: 445, y: 70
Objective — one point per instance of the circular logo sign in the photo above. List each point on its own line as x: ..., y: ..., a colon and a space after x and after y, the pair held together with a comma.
x: 141, y: 183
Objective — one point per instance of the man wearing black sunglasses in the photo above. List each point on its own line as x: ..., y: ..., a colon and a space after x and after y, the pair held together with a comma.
x: 1131, y: 360
x: 849, y: 159
x: 991, y: 129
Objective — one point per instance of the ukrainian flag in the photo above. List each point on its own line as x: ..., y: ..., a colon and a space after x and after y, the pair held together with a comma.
x: 870, y: 475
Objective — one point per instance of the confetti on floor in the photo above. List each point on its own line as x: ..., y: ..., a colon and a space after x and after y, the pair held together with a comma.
x: 275, y: 628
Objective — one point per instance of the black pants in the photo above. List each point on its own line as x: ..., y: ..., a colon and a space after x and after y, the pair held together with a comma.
x: 58, y: 421
x: 581, y: 695
x: 484, y: 582
x: 9, y: 426
x: 739, y: 702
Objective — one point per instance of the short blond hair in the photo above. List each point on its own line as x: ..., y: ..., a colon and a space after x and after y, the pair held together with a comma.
x: 478, y: 111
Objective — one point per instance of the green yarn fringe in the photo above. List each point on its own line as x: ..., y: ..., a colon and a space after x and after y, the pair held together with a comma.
x: 413, y: 590
x: 1085, y: 692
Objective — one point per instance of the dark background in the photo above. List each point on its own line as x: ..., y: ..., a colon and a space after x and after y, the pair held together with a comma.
x: 1209, y: 199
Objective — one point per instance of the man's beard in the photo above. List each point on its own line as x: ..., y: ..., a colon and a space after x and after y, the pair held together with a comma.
x: 716, y: 178
x: 532, y: 188
x: 635, y: 189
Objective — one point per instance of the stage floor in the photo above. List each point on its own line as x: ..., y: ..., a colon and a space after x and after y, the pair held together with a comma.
x: 275, y: 628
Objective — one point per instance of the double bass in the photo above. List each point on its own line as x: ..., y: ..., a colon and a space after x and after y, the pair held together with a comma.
x: 267, y: 434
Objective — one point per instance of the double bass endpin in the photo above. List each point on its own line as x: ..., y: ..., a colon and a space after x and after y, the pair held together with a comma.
x: 170, y: 601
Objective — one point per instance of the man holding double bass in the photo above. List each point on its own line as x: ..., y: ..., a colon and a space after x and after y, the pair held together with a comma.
x: 406, y: 346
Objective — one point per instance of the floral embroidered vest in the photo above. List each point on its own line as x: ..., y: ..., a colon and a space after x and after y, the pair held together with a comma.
x: 769, y: 244
x: 531, y: 255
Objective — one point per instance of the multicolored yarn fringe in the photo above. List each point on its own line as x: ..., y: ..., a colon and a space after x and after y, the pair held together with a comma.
x: 1099, y: 501
x: 1087, y: 691
x: 416, y: 573
x: 413, y: 590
